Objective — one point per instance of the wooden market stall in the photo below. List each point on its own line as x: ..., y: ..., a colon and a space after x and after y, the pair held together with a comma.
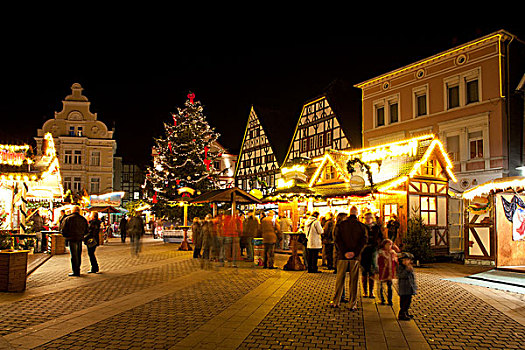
x: 406, y: 178
x: 494, y: 226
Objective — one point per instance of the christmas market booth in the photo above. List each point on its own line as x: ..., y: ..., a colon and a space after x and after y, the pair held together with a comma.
x: 405, y: 178
x: 494, y: 226
x: 30, y: 186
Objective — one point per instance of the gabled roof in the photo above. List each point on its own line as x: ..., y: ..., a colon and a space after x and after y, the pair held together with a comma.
x: 395, y: 162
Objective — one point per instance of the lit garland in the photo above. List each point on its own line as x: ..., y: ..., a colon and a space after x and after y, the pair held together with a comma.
x: 350, y: 166
x: 514, y: 183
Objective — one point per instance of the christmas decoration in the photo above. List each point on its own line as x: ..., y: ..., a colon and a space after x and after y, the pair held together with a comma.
x: 183, y: 157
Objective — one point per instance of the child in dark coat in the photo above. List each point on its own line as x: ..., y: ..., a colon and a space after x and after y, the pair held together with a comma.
x: 406, y: 285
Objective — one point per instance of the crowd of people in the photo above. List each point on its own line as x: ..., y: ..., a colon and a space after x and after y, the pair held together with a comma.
x: 347, y: 244
x: 229, y: 239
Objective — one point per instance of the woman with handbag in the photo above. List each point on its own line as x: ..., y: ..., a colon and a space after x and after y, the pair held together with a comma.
x: 91, y: 241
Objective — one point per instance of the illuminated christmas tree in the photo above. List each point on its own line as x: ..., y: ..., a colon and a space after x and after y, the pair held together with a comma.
x: 183, y: 162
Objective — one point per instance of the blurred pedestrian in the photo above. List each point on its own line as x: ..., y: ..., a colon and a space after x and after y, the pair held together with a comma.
x: 387, y: 265
x: 196, y: 237
x: 369, y: 254
x: 250, y: 230
x: 271, y: 234
x: 206, y: 237
x: 122, y: 228
x: 74, y: 228
x: 313, y: 230
x: 231, y: 233
x: 94, y: 234
x: 350, y: 238
x: 328, y: 240
x: 392, y: 227
x: 406, y: 285
x: 286, y: 226
x: 135, y: 230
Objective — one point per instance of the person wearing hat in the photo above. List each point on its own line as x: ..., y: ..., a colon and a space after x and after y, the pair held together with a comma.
x: 406, y: 284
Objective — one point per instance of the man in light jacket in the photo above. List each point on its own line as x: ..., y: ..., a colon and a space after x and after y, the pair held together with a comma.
x: 313, y: 230
x: 271, y: 233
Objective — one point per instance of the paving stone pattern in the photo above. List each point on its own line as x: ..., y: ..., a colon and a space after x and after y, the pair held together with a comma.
x: 24, y: 313
x: 165, y: 321
x: 450, y: 317
x: 303, y: 320
x: 109, y: 258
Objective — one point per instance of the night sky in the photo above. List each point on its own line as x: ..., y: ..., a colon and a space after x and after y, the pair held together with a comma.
x: 136, y: 78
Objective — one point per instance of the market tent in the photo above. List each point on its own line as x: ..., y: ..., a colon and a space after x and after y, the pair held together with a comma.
x: 108, y: 209
x: 515, y: 183
x: 227, y: 195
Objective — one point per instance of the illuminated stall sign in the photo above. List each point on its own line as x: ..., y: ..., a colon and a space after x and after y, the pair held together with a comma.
x: 13, y: 155
x: 113, y: 199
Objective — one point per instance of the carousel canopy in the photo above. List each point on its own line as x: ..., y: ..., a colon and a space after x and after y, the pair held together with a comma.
x: 226, y: 196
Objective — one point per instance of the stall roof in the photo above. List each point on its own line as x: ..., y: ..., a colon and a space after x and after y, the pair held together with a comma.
x: 226, y: 195
x: 514, y: 183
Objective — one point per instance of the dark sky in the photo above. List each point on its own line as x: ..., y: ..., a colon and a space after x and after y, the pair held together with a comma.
x: 136, y: 78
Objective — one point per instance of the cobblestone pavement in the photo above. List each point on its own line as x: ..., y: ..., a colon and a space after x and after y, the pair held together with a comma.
x: 164, y: 299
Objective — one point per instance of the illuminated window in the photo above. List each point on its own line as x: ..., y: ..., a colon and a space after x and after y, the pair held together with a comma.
x: 77, y: 157
x: 428, y: 210
x: 329, y: 172
x: 80, y: 131
x: 429, y: 168
x: 389, y: 209
x: 476, y: 144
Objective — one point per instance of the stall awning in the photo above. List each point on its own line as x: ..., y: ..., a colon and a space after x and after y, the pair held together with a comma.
x: 226, y: 196
x: 515, y: 183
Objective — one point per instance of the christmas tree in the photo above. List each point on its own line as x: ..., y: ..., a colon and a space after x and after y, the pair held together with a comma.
x: 182, y: 166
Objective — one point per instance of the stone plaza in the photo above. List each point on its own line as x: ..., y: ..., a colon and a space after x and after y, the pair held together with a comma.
x: 165, y: 299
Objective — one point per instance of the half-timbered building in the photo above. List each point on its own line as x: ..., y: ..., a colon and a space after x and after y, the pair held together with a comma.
x: 408, y: 178
x: 257, y: 165
x: 329, y: 121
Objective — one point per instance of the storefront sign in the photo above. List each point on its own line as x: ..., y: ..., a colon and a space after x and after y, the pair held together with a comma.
x: 113, y: 199
x: 12, y: 155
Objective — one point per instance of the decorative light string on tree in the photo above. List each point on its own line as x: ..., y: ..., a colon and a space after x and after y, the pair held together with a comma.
x: 184, y: 155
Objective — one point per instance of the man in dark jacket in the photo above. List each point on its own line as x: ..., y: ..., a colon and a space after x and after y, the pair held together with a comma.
x: 350, y: 238
x: 74, y: 228
x: 122, y: 228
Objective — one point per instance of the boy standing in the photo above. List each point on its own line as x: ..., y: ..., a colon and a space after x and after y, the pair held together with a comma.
x: 407, y: 285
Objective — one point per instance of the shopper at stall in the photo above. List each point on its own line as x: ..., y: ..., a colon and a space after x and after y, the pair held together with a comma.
x: 328, y: 240
x: 350, y: 238
x: 196, y: 237
x: 250, y: 230
x: 271, y: 234
x: 368, y: 257
x: 206, y: 237
x: 392, y: 227
x: 74, y: 227
x: 313, y: 230
x: 286, y: 226
x: 93, y: 235
x: 135, y: 229
x: 232, y: 233
x: 122, y: 228
x: 387, y: 265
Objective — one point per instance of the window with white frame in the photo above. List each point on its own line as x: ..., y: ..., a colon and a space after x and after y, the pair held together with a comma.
x: 77, y: 184
x: 386, y: 111
x: 67, y: 183
x: 420, y: 101
x: 95, y: 158
x: 453, y: 147
x: 77, y: 157
x: 393, y: 109
x: 462, y: 89
x: 94, y: 185
x: 475, y: 141
x: 428, y: 205
x: 389, y: 210
x: 380, y: 115
x: 68, y: 156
